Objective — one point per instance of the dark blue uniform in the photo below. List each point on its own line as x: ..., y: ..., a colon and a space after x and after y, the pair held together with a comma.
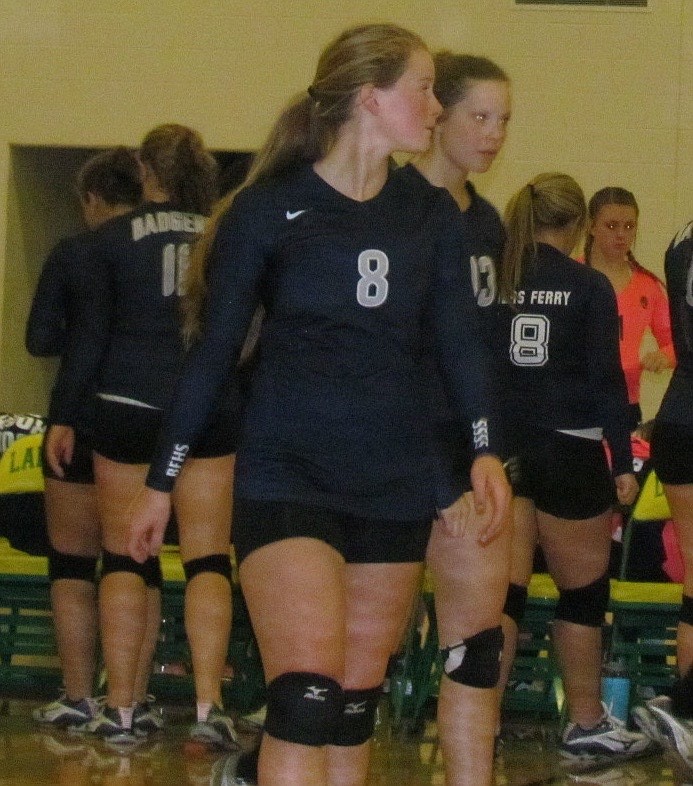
x: 672, y: 440
x: 57, y: 311
x: 558, y: 347
x: 337, y: 414
x: 130, y: 348
x: 483, y: 234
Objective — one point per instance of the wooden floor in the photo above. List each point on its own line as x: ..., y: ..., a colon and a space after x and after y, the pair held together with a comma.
x: 30, y: 755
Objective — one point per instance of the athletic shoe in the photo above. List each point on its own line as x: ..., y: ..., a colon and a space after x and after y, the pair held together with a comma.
x: 608, y: 738
x: 218, y: 730
x: 108, y: 725
x: 146, y: 717
x: 676, y: 733
x: 65, y: 713
x: 647, y: 723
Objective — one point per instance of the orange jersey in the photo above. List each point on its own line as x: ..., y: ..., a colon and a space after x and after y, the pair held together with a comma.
x: 642, y: 304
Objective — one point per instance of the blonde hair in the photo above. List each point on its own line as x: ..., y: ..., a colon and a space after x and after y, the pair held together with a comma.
x: 551, y: 200
x: 182, y: 165
x: 306, y: 129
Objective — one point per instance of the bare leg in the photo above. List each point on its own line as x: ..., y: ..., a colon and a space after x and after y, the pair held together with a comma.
x: 378, y: 603
x: 122, y: 595
x: 471, y: 582
x: 577, y: 553
x: 524, y: 541
x: 73, y: 528
x: 202, y: 501
x: 299, y: 621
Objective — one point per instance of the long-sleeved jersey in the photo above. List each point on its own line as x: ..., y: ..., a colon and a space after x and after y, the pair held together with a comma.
x: 677, y: 405
x: 57, y: 312
x: 337, y: 412
x: 558, y: 343
x: 641, y: 305
x: 130, y: 345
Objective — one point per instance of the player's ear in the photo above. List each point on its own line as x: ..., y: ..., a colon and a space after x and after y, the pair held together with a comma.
x: 368, y: 98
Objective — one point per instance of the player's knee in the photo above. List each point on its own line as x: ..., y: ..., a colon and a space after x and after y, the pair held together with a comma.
x: 304, y: 708
x: 686, y: 611
x: 515, y: 602
x: 475, y: 661
x: 70, y: 566
x: 358, y: 720
x: 211, y: 563
x: 585, y: 605
x: 149, y: 570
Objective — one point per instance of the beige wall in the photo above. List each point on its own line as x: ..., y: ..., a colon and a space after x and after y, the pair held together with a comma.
x: 604, y: 95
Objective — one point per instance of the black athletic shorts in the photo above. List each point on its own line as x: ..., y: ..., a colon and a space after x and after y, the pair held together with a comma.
x: 258, y: 523
x: 564, y: 475
x: 80, y: 469
x: 671, y: 450
x: 128, y: 433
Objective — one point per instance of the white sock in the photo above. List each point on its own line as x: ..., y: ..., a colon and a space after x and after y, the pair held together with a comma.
x: 203, y: 708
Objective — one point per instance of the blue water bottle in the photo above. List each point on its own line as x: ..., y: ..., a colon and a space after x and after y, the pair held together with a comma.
x: 616, y: 690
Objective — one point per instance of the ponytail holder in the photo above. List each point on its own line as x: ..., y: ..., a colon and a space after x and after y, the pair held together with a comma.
x: 530, y: 187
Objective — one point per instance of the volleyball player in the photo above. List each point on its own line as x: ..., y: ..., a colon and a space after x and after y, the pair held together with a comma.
x: 130, y: 354
x: 640, y: 296
x: 555, y: 326
x: 672, y: 457
x: 470, y: 569
x: 335, y: 471
x: 108, y: 186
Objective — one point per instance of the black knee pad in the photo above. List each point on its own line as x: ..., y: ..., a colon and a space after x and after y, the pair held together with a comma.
x: 686, y: 612
x: 212, y: 563
x: 475, y: 661
x: 70, y: 566
x: 304, y: 708
x: 515, y: 602
x: 121, y: 563
x: 584, y: 605
x: 358, y: 719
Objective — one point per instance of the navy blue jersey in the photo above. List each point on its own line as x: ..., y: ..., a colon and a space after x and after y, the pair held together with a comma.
x: 337, y: 412
x: 482, y: 234
x: 558, y: 345
x: 131, y: 345
x: 57, y: 311
x: 677, y: 405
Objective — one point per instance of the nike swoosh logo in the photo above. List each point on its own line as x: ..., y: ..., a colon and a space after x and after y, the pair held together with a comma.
x: 295, y: 214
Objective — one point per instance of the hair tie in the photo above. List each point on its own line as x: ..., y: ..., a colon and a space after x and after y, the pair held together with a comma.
x: 530, y: 186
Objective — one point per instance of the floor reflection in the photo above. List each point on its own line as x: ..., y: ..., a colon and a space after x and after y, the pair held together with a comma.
x: 32, y: 756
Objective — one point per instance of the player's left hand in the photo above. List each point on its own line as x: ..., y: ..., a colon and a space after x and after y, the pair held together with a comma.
x: 455, y: 517
x: 492, y: 495
x: 626, y: 488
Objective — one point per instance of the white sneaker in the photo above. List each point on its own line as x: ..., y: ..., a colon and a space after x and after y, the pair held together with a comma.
x: 676, y: 733
x: 609, y: 738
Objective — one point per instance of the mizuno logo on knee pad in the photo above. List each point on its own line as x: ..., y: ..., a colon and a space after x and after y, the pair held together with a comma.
x: 315, y: 693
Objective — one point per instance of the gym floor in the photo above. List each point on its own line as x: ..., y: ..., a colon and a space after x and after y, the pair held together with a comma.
x: 31, y: 756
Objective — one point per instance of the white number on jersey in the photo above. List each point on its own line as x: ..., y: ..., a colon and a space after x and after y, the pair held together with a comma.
x: 174, y: 264
x: 487, y: 294
x: 371, y: 290
x: 529, y: 340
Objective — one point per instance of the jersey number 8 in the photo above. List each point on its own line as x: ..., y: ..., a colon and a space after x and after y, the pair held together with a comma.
x: 529, y: 340
x: 371, y: 290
